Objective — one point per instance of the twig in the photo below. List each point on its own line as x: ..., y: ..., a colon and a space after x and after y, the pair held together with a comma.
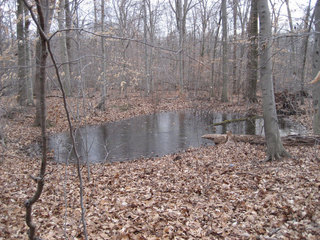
x: 40, y: 182
x: 46, y: 45
x: 72, y: 140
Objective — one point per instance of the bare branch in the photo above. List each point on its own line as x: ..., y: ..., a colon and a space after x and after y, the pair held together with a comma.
x: 72, y: 138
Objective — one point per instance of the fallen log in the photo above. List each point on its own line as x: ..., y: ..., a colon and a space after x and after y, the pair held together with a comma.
x: 290, y: 140
x: 237, y: 120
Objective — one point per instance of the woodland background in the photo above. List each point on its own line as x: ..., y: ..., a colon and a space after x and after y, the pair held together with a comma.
x: 120, y: 59
x: 155, y: 45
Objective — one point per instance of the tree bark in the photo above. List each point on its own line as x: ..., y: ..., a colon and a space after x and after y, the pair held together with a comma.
x: 152, y: 21
x: 47, y: 18
x: 45, y: 48
x: 102, y: 104
x: 29, y: 83
x: 181, y: 43
x: 181, y: 31
x: 63, y: 48
x: 252, y: 65
x: 315, y: 71
x: 42, y: 103
x: 235, y: 85
x: 69, y: 37
x: 304, y: 50
x: 22, y: 91
x: 204, y: 14
x: 95, y: 12
x: 275, y: 149
x: 224, y: 95
x: 181, y: 9
x: 36, y: 88
x: 293, y: 61
x: 214, y: 51
x: 25, y: 93
x: 146, y: 52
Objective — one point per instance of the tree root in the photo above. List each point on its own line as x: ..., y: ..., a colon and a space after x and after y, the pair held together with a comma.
x: 277, y: 156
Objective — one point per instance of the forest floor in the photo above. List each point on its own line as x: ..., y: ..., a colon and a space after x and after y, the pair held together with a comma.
x: 213, y: 192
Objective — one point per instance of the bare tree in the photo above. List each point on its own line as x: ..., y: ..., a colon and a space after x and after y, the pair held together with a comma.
x: 292, y: 59
x: 42, y: 105
x: 28, y: 72
x: 304, y: 49
x: 252, y: 65
x: 276, y: 7
x: 45, y: 49
x: 235, y: 83
x: 63, y: 47
x: 275, y: 149
x: 243, y: 18
x: 315, y: 71
x: 148, y: 29
x: 68, y: 36
x: 25, y: 94
x: 124, y: 10
x: 181, y: 9
x: 205, y: 14
x: 205, y: 9
x: 47, y: 12
x: 95, y: 12
x: 102, y: 104
x: 21, y: 53
x: 224, y: 95
x: 214, y: 51
x: 146, y: 52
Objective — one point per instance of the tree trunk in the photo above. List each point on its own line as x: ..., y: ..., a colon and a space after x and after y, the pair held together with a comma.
x: 213, y: 90
x: 224, y: 95
x: 95, y: 12
x: 315, y: 71
x: 102, y: 104
x: 45, y: 48
x: 28, y: 72
x: 146, y: 52
x: 181, y: 9
x: 204, y: 12
x: 292, y: 63
x: 25, y: 93
x: 152, y: 19
x: 47, y: 18
x: 235, y: 85
x: 275, y: 149
x: 36, y: 87
x: 63, y: 48
x: 181, y: 43
x: 69, y: 39
x: 304, y: 50
x: 252, y: 65
x: 42, y: 105
x: 22, y: 91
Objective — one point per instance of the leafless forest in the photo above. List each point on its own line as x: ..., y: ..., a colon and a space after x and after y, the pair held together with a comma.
x: 65, y: 64
x: 150, y: 46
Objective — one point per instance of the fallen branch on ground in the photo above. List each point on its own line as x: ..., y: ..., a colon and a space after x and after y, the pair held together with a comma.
x: 237, y: 120
x: 291, y: 140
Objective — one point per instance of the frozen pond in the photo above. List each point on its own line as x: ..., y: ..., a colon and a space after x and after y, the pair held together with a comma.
x: 153, y: 135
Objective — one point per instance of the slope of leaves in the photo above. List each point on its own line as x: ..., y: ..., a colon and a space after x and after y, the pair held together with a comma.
x: 217, y: 192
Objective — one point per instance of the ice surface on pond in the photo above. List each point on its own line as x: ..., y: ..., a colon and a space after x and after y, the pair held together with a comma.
x: 153, y: 135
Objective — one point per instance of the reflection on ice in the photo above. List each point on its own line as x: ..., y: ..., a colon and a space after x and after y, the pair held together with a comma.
x: 153, y: 135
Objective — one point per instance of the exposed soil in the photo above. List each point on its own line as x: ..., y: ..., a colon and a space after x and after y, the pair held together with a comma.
x: 217, y: 192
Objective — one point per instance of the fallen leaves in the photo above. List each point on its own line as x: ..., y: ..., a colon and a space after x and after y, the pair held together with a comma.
x: 221, y: 192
